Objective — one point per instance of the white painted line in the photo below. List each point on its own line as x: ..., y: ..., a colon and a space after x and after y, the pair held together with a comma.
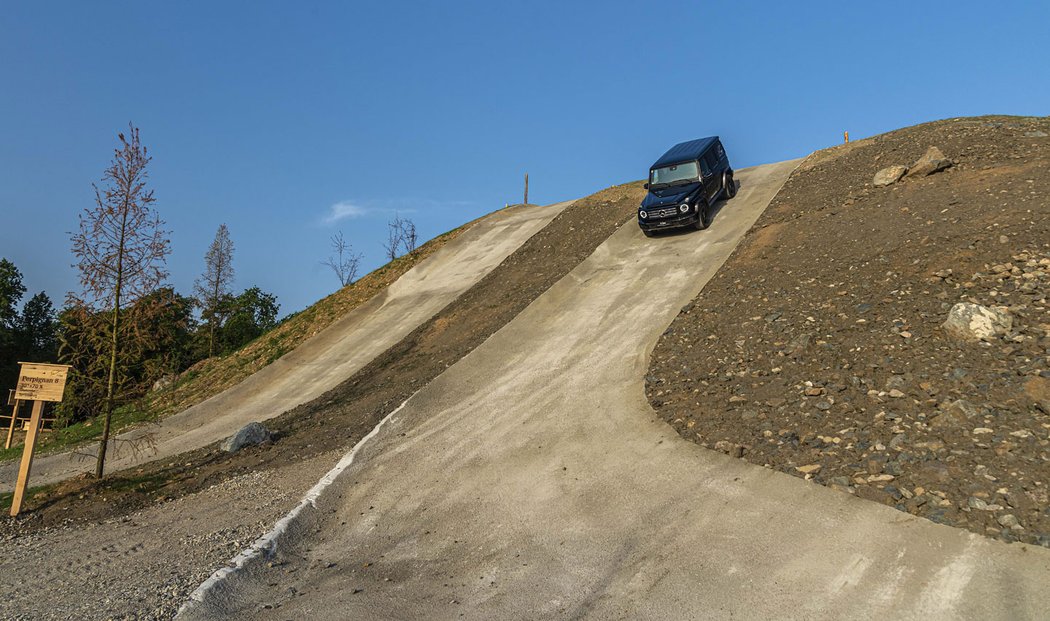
x: 268, y: 542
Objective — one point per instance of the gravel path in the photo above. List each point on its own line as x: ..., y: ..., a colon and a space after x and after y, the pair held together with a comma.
x: 144, y: 565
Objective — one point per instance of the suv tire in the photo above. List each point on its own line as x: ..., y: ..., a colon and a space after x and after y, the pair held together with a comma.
x: 729, y: 191
x: 702, y: 219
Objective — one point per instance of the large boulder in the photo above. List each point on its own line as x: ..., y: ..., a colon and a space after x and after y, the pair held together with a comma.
x: 251, y: 434
x: 889, y: 175
x: 973, y: 322
x: 932, y: 161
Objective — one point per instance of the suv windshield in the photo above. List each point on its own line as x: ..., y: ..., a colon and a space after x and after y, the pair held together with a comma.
x: 685, y: 171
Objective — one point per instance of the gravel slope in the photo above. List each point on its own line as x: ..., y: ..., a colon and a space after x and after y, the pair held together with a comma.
x: 818, y: 349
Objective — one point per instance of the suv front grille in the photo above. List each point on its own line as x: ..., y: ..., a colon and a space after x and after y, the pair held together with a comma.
x: 663, y: 212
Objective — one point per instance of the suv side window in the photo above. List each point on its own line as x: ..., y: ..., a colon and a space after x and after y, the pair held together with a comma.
x: 705, y: 167
x: 719, y: 151
x: 710, y: 161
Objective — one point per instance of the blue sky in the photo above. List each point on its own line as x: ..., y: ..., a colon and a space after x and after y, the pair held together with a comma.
x: 291, y: 121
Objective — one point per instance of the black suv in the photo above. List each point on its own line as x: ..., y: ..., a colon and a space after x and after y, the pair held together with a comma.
x: 683, y: 185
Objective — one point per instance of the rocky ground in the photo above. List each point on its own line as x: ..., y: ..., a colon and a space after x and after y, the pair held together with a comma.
x: 820, y: 348
x: 144, y: 538
x: 143, y: 565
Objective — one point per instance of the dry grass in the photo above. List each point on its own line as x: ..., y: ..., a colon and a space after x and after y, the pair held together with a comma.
x: 214, y: 375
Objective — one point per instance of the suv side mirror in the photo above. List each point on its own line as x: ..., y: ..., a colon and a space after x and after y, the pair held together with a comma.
x: 646, y: 186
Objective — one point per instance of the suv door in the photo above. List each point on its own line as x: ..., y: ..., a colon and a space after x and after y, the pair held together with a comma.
x: 712, y: 183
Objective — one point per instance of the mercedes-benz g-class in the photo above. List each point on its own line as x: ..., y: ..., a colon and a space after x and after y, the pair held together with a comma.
x: 683, y: 185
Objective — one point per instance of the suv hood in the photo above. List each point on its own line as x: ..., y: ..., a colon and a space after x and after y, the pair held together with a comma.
x: 670, y: 195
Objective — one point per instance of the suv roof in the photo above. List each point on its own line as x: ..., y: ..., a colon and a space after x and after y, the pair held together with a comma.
x: 685, y: 151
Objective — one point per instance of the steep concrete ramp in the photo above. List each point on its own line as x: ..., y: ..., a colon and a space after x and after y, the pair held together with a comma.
x: 533, y: 481
x: 328, y: 358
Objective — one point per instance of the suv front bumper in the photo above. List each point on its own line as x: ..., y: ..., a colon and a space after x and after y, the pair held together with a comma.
x: 673, y: 222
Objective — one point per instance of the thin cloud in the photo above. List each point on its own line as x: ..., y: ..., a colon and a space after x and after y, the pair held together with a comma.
x: 350, y: 210
x: 343, y: 210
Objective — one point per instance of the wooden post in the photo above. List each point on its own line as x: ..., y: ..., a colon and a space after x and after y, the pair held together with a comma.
x: 526, y: 188
x: 11, y: 428
x: 27, y: 458
x: 845, y: 135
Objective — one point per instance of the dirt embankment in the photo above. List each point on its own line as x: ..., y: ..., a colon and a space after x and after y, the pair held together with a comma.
x: 818, y: 349
x: 339, y: 418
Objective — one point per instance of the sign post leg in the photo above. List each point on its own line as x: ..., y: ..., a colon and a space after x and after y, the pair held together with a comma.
x: 11, y: 429
x: 27, y: 458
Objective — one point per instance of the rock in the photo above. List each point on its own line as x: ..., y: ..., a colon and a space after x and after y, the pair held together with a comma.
x: 875, y: 463
x: 875, y: 494
x: 1036, y: 134
x: 1008, y: 521
x: 973, y: 322
x: 729, y: 448
x: 932, y: 161
x: 799, y: 344
x: 976, y: 503
x: 163, y: 382
x: 889, y: 175
x: 936, y: 471
x: 957, y: 412
x: 895, y: 381
x: 896, y: 394
x: 1038, y: 390
x: 251, y: 434
x: 810, y: 469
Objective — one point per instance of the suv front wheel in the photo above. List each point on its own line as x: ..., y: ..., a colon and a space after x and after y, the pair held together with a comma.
x: 702, y: 219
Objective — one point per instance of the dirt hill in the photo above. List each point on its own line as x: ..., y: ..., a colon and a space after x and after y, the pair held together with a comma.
x: 818, y: 348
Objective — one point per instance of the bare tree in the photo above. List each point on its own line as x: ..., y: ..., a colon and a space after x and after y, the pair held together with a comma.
x: 120, y: 250
x: 401, y: 233
x: 213, y: 287
x: 409, y: 238
x: 344, y: 262
x: 393, y: 238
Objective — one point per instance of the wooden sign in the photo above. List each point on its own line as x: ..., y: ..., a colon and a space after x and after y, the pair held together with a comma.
x: 41, y: 382
x: 38, y: 383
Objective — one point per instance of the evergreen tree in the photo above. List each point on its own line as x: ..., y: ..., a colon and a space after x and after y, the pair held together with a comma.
x: 11, y: 290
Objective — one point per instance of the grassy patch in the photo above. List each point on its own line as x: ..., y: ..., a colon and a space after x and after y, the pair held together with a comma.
x: 81, y: 433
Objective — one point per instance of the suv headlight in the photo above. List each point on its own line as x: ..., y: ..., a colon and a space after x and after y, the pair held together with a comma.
x: 684, y: 207
x: 642, y: 214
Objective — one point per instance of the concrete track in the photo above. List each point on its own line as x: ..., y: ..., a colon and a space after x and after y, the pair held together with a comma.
x: 533, y: 481
x: 328, y: 358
